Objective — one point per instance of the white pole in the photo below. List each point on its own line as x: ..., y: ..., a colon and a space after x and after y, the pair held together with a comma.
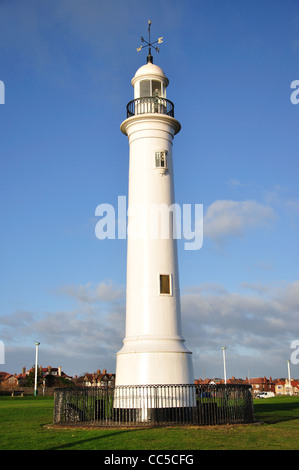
x: 36, y: 356
x: 224, y: 364
x: 289, y: 375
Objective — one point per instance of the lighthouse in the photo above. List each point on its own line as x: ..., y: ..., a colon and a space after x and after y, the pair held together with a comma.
x: 154, y: 350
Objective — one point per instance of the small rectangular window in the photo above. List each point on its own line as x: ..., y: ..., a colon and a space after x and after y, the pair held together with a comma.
x: 165, y: 287
x: 161, y: 159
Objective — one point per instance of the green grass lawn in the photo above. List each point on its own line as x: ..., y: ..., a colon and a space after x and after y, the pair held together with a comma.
x: 24, y: 426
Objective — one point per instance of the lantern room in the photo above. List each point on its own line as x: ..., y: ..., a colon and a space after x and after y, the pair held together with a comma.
x: 150, y: 85
x: 149, y: 81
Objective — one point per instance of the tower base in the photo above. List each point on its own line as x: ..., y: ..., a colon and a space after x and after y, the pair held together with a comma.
x: 163, y: 362
x: 151, y: 383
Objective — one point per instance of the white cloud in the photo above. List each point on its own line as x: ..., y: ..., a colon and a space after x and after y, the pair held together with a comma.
x: 260, y: 324
x: 235, y: 183
x: 278, y: 197
x: 84, y: 338
x: 224, y: 218
x: 257, y: 324
x: 91, y: 293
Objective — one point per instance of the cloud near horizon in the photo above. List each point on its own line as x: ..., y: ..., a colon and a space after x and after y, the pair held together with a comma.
x: 257, y: 325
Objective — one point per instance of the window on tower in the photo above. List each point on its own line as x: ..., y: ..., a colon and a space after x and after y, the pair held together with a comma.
x: 165, y: 284
x: 150, y: 88
x: 161, y: 159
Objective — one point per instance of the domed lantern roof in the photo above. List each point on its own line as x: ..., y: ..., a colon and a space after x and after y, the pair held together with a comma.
x: 152, y: 72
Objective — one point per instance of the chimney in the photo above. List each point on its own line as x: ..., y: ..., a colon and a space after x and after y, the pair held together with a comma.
x: 59, y: 371
x: 104, y: 371
x: 23, y: 370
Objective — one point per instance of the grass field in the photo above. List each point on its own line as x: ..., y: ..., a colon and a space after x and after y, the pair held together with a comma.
x: 24, y: 426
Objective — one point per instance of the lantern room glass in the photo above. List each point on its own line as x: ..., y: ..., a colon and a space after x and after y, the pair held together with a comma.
x: 151, y: 88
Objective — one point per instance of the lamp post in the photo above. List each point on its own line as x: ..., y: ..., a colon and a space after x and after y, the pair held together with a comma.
x: 224, y: 363
x: 35, y: 378
x: 289, y: 376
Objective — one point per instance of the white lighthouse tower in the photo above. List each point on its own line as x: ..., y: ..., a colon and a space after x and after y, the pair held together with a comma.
x: 153, y: 351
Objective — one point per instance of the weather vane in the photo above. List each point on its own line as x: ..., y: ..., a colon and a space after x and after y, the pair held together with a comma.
x: 149, y: 44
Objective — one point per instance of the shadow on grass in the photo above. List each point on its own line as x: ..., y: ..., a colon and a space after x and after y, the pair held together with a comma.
x: 76, y: 443
x: 276, y: 412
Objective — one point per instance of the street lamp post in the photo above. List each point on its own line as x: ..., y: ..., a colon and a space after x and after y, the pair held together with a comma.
x: 289, y: 376
x: 35, y: 378
x: 224, y: 363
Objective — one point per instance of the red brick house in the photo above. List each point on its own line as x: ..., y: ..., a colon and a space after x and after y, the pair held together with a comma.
x: 99, y: 379
x: 262, y: 384
x: 282, y: 387
x: 8, y: 380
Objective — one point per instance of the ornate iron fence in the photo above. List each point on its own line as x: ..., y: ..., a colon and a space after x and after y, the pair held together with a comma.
x: 148, y: 405
x: 150, y: 104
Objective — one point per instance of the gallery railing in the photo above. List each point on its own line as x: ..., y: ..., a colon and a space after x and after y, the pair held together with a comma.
x: 153, y: 405
x: 150, y: 104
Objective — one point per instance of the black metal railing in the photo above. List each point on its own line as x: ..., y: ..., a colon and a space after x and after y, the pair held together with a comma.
x: 150, y: 104
x: 149, y: 405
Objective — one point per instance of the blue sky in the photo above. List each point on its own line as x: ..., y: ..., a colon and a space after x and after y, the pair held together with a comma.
x: 67, y: 68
